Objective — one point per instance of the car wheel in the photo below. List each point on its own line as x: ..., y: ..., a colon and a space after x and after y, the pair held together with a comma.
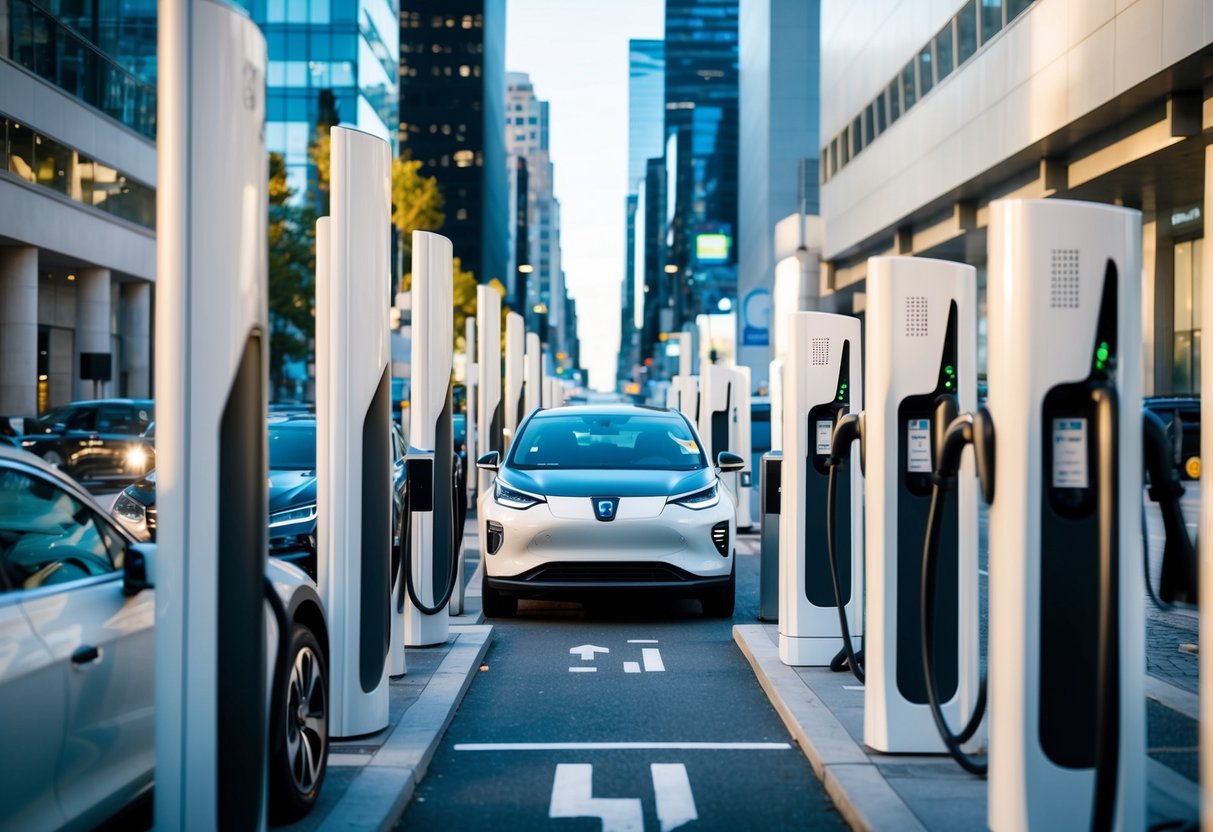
x: 719, y: 603
x: 495, y: 604
x: 299, y: 731
x: 52, y: 458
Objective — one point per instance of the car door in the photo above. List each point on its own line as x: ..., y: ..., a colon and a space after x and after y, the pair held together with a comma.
x: 116, y: 432
x: 68, y: 560
x: 78, y: 438
x: 32, y: 703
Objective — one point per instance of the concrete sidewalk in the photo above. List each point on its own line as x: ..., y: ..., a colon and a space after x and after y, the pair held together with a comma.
x: 873, y: 791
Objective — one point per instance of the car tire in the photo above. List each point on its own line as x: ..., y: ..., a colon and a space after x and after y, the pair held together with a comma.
x: 53, y: 459
x: 719, y: 603
x: 495, y: 604
x: 299, y: 728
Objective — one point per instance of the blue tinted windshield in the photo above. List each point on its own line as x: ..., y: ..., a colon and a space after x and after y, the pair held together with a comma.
x: 648, y: 442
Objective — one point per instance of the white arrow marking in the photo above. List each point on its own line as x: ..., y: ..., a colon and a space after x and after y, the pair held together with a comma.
x: 572, y: 797
x: 587, y: 651
x: 675, y: 803
x: 652, y: 660
x: 631, y: 667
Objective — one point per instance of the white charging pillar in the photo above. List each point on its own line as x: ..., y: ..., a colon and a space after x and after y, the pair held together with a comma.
x: 353, y: 431
x: 823, y: 378
x: 212, y: 346
x: 432, y: 534
x: 921, y: 345
x: 553, y: 393
x: 471, y: 376
x: 724, y: 404
x: 533, y: 375
x: 488, y: 364
x: 775, y: 388
x: 515, y: 359
x: 1064, y: 336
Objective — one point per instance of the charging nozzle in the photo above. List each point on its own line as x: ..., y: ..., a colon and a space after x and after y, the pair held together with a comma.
x: 848, y: 427
x: 1178, y: 582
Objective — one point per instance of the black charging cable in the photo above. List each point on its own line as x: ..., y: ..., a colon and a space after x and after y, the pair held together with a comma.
x: 406, y: 563
x: 847, y: 429
x: 959, y: 432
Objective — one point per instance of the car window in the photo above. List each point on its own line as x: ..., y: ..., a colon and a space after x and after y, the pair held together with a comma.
x: 72, y: 418
x: 292, y: 447
x: 606, y: 441
x: 47, y: 536
x: 118, y: 419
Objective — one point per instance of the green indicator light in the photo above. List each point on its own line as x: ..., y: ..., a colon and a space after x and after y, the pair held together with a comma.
x: 844, y: 385
x: 948, y: 369
x: 948, y: 384
x: 1101, y: 353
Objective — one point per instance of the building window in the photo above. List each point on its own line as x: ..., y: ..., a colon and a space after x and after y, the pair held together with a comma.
x: 926, y: 78
x: 1015, y: 8
x: 881, y: 114
x: 991, y: 19
x: 907, y: 86
x: 966, y: 32
x: 1185, y: 361
x: 856, y: 136
x: 894, y: 95
x: 943, y: 52
x: 869, y: 123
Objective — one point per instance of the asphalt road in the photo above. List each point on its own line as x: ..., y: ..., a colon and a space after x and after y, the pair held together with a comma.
x: 661, y: 674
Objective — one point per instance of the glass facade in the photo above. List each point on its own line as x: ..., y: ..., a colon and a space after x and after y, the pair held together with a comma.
x: 102, y: 52
x: 646, y: 106
x: 330, y: 62
x: 39, y: 160
x: 1185, y: 367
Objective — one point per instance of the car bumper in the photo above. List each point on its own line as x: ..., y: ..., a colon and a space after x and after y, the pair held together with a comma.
x: 560, y: 547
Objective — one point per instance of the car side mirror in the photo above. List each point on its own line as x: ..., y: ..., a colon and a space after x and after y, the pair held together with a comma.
x: 139, y: 569
x: 727, y: 462
x: 490, y: 461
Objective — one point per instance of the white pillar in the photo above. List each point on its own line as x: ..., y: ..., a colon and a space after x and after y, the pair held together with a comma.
x: 92, y: 328
x: 1206, y: 523
x: 137, y: 339
x: 19, y: 331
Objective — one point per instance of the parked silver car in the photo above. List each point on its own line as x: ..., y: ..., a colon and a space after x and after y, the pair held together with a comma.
x: 76, y: 661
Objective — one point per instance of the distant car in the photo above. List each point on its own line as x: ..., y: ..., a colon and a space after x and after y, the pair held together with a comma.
x: 94, y: 441
x: 606, y: 498
x: 77, y: 681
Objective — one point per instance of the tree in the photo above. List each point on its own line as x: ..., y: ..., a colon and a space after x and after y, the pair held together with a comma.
x: 292, y: 267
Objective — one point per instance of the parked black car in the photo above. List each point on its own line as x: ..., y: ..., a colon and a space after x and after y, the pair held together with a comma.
x: 292, y: 492
x: 1181, y: 415
x: 95, y: 441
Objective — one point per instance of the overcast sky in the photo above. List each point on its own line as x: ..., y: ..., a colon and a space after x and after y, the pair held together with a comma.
x: 576, y: 52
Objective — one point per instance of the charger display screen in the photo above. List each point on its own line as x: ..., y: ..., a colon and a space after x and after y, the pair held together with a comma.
x: 825, y: 432
x: 918, y: 446
x: 1070, y: 453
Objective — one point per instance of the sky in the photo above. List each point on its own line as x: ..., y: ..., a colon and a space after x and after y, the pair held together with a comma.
x: 576, y: 52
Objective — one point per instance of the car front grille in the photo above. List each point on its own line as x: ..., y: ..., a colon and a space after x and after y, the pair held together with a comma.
x: 720, y: 537
x: 612, y: 573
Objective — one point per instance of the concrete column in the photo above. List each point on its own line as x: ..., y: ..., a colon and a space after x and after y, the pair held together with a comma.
x: 137, y: 339
x: 19, y: 331
x: 92, y: 327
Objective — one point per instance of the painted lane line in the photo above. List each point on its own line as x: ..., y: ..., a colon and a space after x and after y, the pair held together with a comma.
x: 631, y: 667
x: 675, y: 803
x: 652, y: 660
x: 572, y: 797
x: 583, y: 670
x: 622, y: 746
x: 852, y: 687
x: 642, y: 641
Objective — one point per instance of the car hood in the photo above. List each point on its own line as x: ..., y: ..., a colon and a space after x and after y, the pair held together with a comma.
x: 608, y: 483
x: 291, y: 488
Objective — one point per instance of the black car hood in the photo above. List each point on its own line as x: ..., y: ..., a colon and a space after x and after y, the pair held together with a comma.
x: 613, y: 482
x: 291, y: 488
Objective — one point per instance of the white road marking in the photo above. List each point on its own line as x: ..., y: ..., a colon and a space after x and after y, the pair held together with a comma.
x: 583, y: 670
x: 642, y: 641
x: 622, y: 746
x: 852, y: 687
x: 652, y: 660
x: 572, y: 797
x: 675, y: 803
x: 587, y: 651
x: 631, y: 667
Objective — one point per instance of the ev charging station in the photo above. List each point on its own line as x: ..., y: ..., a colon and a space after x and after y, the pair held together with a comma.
x: 470, y: 375
x: 1067, y: 729
x: 553, y: 393
x: 532, y: 392
x: 683, y: 394
x: 434, y: 531
x: 212, y: 346
x: 921, y: 353
x: 515, y: 369
x: 353, y: 432
x: 488, y: 384
x: 823, y: 382
x: 724, y: 425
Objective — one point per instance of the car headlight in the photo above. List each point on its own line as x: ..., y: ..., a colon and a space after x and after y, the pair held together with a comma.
x: 293, y: 515
x: 28, y: 443
x: 136, y: 459
x: 706, y: 498
x: 512, y: 498
x: 132, y: 514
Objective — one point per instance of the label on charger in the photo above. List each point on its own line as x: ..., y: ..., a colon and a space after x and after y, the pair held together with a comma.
x: 918, y: 446
x: 825, y: 431
x: 1070, y: 453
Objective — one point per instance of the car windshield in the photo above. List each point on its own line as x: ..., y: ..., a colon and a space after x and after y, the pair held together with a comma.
x: 292, y: 447
x: 601, y: 441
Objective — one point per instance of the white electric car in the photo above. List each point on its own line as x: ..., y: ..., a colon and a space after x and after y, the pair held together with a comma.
x: 604, y: 498
x: 76, y: 661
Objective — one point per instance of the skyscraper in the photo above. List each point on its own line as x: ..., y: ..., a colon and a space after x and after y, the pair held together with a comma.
x: 701, y: 129
x: 452, y: 97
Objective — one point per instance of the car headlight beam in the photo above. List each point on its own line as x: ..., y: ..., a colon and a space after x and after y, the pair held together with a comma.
x: 704, y: 498
x: 513, y: 498
x: 299, y: 514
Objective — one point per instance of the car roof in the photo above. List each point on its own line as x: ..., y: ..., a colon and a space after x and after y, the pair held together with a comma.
x: 606, y: 410
x: 91, y: 402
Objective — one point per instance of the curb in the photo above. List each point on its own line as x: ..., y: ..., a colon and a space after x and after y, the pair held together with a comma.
x: 842, y: 765
x: 378, y: 796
